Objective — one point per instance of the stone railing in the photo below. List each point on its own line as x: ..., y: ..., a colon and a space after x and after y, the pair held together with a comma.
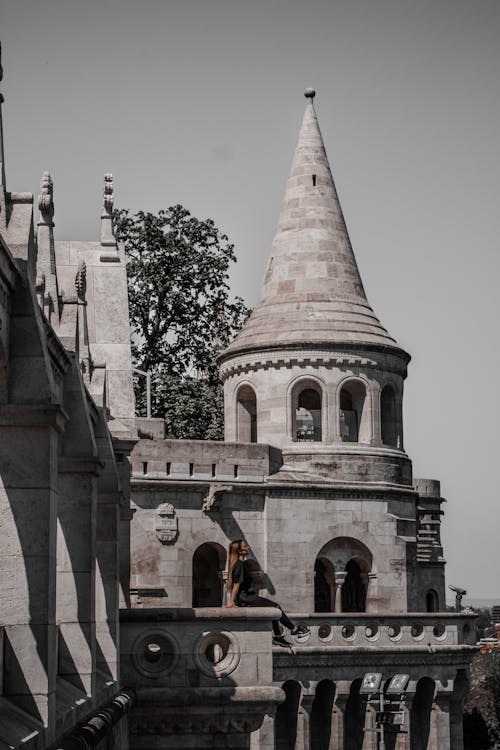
x: 384, y: 631
x: 203, y: 460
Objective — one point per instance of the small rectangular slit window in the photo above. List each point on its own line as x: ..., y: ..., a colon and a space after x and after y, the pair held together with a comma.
x: 169, y: 467
x: 144, y: 467
x: 314, y: 180
x: 236, y: 471
x: 191, y: 469
x: 214, y: 470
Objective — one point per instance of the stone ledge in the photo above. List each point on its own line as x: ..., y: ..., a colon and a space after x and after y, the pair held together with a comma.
x: 164, y: 614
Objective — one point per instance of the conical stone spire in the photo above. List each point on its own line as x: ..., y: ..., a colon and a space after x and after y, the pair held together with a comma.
x: 312, y: 292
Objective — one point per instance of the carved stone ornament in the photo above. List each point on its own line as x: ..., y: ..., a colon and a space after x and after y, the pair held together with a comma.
x: 46, y: 198
x: 166, y: 523
x: 213, y: 501
x: 81, y: 279
x: 108, y: 192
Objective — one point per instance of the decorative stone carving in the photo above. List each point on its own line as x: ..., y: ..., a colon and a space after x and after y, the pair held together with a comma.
x: 213, y: 501
x: 46, y: 198
x: 108, y: 192
x: 81, y: 279
x: 166, y: 523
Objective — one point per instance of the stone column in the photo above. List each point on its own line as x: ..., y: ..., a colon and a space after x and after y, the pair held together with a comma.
x: 339, y: 580
x: 263, y: 738
x: 371, y: 584
x: 107, y: 561
x: 403, y: 739
x: 439, y: 738
x: 370, y: 740
x: 76, y: 548
x: 29, y: 436
x: 303, y: 741
x: 337, y: 736
x: 374, y: 400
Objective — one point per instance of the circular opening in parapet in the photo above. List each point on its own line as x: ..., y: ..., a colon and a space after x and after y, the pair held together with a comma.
x: 217, y: 654
x: 372, y: 632
x: 439, y: 631
x: 417, y: 630
x: 302, y: 637
x: 325, y: 632
x: 394, y: 631
x: 152, y: 652
x: 348, y: 632
x: 155, y: 654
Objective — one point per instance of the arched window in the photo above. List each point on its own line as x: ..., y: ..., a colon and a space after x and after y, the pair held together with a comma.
x: 307, y: 413
x: 388, y: 419
x: 324, y: 585
x: 209, y: 561
x: 431, y: 601
x: 354, y: 422
x: 247, y: 415
x: 353, y: 589
x: 343, y: 563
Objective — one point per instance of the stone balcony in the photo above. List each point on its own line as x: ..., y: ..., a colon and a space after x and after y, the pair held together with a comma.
x: 220, y: 667
x: 198, y: 672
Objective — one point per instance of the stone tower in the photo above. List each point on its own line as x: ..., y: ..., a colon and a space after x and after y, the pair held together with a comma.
x: 313, y: 371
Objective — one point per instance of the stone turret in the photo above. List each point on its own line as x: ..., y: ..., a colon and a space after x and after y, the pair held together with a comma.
x: 313, y: 371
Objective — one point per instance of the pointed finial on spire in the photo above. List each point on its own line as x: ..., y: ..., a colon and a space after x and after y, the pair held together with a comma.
x: 46, y: 199
x: 107, y: 232
x: 309, y: 93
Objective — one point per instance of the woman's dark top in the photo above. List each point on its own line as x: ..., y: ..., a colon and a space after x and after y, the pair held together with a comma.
x: 241, y: 574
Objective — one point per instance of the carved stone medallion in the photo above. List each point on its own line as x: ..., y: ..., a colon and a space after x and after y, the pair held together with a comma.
x: 166, y: 523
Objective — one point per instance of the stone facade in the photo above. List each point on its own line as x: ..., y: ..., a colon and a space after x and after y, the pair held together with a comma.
x: 112, y: 631
x: 67, y: 428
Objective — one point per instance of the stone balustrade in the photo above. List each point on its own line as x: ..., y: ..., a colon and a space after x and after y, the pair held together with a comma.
x: 378, y: 630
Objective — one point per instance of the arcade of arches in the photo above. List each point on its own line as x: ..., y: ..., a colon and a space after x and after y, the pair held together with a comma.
x: 320, y: 718
x: 341, y: 576
x: 309, y: 413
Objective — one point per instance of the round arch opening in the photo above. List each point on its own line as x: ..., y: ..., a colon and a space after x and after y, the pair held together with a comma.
x: 341, y: 576
x: 307, y: 416
x: 209, y: 561
x: 246, y: 415
x: 354, y: 426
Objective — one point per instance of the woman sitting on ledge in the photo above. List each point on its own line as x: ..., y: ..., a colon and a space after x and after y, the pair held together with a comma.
x: 242, y: 594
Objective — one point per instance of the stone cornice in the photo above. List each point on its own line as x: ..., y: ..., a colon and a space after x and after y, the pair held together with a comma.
x: 80, y: 465
x: 384, y: 358
x: 281, y: 489
x: 33, y: 415
x: 449, y: 656
x: 365, y: 491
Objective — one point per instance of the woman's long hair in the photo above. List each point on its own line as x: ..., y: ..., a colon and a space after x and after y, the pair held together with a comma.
x: 232, y: 557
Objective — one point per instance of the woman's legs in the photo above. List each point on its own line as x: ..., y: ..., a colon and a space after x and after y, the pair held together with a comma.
x: 260, y: 601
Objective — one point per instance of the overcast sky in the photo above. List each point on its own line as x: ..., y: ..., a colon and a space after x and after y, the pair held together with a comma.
x: 199, y: 102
